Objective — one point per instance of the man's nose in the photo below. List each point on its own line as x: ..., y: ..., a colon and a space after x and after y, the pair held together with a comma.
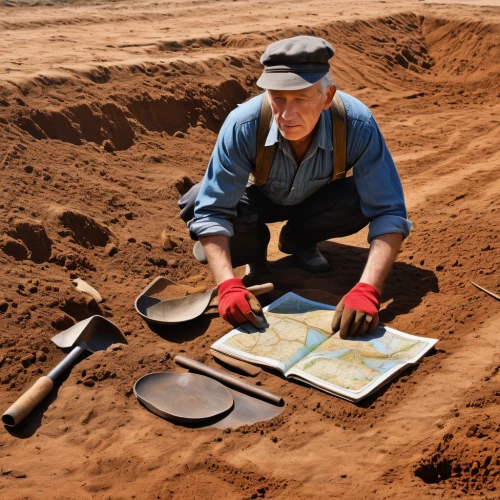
x: 290, y: 111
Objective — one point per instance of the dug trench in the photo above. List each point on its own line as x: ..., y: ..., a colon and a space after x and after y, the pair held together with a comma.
x: 94, y: 166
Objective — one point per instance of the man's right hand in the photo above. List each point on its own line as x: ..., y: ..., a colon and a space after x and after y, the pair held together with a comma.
x: 357, y: 312
x: 238, y: 306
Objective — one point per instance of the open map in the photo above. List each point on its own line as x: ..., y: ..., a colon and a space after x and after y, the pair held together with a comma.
x: 353, y: 364
x: 295, y: 329
x: 300, y: 343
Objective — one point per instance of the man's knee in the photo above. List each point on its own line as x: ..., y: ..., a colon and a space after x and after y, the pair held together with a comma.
x: 334, y: 212
x: 187, y: 202
x: 250, y: 240
x: 251, y: 236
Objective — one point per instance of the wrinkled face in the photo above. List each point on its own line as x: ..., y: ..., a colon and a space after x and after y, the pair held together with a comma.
x: 297, y: 111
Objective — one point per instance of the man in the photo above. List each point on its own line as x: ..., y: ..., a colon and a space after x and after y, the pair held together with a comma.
x: 227, y: 213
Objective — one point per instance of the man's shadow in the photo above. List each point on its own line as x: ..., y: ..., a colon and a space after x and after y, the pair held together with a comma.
x: 404, y: 288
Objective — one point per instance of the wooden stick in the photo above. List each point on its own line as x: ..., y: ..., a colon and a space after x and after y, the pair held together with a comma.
x: 237, y: 364
x: 229, y: 380
x: 491, y: 294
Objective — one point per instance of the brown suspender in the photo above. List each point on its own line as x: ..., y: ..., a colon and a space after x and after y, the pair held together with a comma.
x: 265, y: 154
x: 339, y: 125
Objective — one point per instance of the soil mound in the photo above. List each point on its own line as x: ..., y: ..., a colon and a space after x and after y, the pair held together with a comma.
x: 83, y: 229
x: 101, y: 124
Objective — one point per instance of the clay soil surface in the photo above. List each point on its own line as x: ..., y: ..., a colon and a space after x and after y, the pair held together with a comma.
x: 108, y: 113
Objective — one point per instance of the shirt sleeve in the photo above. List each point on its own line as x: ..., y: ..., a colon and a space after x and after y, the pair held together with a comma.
x: 377, y: 180
x: 225, y: 179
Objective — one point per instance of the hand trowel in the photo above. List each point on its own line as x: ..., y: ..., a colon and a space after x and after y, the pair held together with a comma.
x: 92, y: 334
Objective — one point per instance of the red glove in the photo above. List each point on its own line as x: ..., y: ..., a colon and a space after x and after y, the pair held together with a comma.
x: 357, y: 312
x: 237, y: 305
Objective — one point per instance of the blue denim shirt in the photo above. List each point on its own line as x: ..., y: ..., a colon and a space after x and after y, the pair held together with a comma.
x: 233, y: 159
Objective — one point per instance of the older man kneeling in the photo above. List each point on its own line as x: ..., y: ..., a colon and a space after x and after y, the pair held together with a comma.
x: 228, y: 211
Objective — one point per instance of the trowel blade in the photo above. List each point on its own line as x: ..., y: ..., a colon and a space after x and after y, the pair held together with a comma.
x: 97, y: 332
x: 67, y: 338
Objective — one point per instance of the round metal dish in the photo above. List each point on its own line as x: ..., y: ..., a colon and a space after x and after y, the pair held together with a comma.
x: 183, y: 397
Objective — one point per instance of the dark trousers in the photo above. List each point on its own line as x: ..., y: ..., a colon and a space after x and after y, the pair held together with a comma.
x: 331, y: 212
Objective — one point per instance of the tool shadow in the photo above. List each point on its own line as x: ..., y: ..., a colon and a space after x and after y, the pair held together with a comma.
x: 179, y: 333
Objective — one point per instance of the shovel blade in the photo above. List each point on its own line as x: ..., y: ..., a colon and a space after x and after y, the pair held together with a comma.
x: 180, y: 310
x: 96, y: 332
x: 171, y: 311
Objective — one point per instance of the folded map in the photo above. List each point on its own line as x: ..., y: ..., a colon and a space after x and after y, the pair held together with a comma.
x: 300, y: 344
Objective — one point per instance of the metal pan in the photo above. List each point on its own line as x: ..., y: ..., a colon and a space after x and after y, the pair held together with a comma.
x: 252, y: 404
x: 186, y: 398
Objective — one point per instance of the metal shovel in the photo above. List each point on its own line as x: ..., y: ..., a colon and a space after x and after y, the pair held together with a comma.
x: 179, y: 310
x: 93, y: 334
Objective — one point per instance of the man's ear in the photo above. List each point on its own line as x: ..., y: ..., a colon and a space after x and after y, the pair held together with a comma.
x: 330, y: 94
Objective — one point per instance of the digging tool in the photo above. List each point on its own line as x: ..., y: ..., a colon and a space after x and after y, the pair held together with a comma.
x: 179, y: 310
x: 93, y: 334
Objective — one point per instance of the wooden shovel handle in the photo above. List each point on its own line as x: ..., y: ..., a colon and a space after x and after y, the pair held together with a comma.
x: 261, y: 289
x: 31, y: 398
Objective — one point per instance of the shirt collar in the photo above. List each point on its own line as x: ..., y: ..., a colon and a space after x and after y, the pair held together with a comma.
x: 322, y: 139
x: 272, y: 137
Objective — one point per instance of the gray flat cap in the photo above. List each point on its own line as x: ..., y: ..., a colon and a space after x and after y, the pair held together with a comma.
x: 295, y: 63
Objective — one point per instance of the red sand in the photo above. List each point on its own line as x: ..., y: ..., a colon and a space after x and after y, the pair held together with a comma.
x: 108, y: 113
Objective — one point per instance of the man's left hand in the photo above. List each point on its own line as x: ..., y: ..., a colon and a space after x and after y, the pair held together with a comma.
x: 357, y: 312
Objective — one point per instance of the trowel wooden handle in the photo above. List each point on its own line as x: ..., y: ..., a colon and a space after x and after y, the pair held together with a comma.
x: 261, y: 289
x: 31, y: 398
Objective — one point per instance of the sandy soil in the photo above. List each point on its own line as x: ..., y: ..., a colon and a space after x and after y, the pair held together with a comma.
x: 108, y: 112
